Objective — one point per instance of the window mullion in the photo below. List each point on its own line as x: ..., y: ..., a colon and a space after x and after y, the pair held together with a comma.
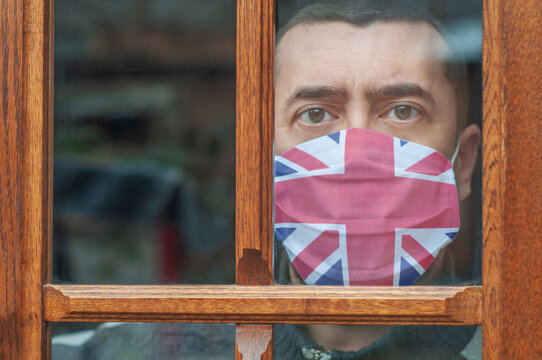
x: 254, y: 156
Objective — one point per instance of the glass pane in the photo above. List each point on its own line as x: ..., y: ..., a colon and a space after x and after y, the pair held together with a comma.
x: 143, y: 341
x: 377, y: 132
x: 144, y: 141
x: 82, y: 341
x: 377, y: 342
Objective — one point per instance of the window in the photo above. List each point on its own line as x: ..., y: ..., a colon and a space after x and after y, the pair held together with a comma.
x: 508, y: 306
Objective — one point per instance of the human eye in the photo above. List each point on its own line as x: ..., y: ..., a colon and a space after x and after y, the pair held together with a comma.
x: 403, y: 112
x: 315, y: 116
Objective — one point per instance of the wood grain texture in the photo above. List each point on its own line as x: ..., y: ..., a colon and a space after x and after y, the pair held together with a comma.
x: 254, y: 162
x: 265, y: 304
x: 37, y: 169
x: 24, y: 177
x: 254, y: 139
x: 252, y: 341
x: 512, y: 188
x: 11, y: 25
x: 493, y: 184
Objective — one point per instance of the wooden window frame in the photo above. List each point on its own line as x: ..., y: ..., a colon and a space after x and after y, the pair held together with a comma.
x: 509, y: 305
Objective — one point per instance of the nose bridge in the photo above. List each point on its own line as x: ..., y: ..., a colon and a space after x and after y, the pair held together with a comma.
x: 358, y: 114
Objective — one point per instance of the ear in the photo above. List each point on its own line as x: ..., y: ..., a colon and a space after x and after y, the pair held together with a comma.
x: 466, y: 159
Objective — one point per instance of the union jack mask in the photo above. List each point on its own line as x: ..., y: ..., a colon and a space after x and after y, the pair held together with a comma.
x: 358, y: 207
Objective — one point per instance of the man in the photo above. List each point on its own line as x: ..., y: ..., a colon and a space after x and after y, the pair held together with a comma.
x: 383, y: 68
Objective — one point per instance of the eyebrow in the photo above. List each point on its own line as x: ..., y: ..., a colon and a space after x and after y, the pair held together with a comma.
x: 402, y: 90
x: 315, y: 93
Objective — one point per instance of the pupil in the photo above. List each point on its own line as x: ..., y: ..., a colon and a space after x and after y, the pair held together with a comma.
x: 316, y: 115
x: 403, y: 112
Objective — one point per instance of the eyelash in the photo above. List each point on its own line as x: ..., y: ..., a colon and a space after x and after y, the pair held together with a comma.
x: 418, y: 109
x: 419, y: 112
x: 308, y: 123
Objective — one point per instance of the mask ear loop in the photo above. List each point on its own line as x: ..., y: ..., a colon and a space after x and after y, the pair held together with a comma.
x: 456, y: 150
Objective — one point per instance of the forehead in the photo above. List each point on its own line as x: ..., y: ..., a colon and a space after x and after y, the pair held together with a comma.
x: 393, y: 49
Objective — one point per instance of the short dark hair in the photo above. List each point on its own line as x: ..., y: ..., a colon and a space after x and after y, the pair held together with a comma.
x: 363, y: 13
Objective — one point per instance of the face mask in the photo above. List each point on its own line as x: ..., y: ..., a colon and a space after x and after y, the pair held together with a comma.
x: 358, y: 207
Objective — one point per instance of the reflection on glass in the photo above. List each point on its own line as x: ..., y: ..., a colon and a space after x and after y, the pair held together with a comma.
x: 335, y: 342
x: 144, y: 141
x: 377, y: 115
x: 144, y: 341
x: 134, y: 341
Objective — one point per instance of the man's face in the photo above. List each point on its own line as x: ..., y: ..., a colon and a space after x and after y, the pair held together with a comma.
x: 387, y: 77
